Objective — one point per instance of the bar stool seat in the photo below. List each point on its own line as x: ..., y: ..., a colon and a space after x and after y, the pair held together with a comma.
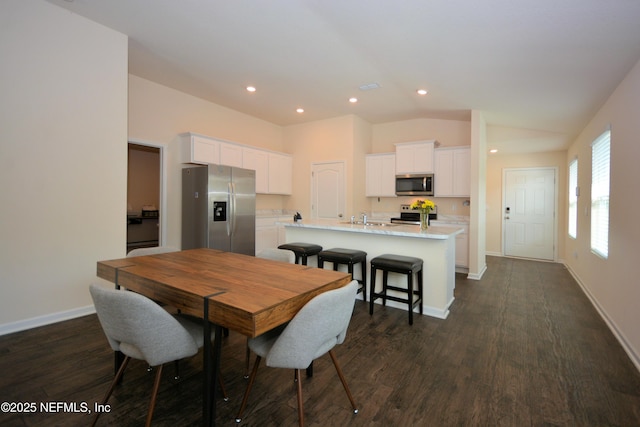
x: 348, y: 257
x: 302, y: 250
x: 397, y: 264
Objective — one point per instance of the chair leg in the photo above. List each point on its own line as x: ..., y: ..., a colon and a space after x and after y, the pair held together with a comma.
x: 300, y: 407
x: 247, y: 360
x: 115, y: 381
x: 364, y: 280
x: 154, y: 394
x: 372, y: 290
x: 343, y: 380
x: 252, y: 377
x: 176, y: 364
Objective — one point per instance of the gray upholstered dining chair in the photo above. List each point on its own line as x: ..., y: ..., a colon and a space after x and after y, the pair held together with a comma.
x: 141, y: 329
x: 315, y: 330
x: 274, y: 255
x: 151, y: 251
x: 277, y: 255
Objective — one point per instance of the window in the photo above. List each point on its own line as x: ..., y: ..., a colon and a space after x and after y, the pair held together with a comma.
x: 573, y: 198
x: 600, y: 167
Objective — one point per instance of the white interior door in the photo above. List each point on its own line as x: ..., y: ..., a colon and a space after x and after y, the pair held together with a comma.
x: 327, y: 190
x: 529, y: 213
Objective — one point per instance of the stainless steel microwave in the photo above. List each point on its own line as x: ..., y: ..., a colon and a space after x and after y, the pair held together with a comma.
x: 414, y: 185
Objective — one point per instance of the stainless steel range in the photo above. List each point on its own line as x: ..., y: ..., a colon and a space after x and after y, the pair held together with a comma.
x: 410, y: 216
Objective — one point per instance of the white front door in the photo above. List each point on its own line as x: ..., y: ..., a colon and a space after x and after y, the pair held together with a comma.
x: 327, y: 190
x: 529, y: 213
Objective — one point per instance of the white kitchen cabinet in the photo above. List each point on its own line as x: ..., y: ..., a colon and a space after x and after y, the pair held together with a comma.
x: 280, y: 173
x: 415, y: 157
x: 381, y: 175
x: 257, y: 160
x: 199, y: 149
x: 268, y: 233
x: 462, y: 248
x: 274, y: 170
x: 452, y: 175
x: 462, y: 241
x: 231, y: 154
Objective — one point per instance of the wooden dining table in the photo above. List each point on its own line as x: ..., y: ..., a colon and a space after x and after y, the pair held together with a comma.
x: 227, y: 290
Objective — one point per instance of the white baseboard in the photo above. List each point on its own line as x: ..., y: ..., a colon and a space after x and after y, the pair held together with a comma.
x: 477, y: 276
x: 34, y: 322
x: 633, y: 355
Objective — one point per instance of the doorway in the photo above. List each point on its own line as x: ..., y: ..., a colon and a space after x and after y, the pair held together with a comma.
x: 529, y: 222
x: 143, y: 195
x: 327, y: 190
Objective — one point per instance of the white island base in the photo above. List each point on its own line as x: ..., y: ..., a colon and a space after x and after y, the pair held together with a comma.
x: 436, y: 247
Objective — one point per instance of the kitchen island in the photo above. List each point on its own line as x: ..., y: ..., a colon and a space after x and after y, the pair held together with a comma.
x: 435, y: 246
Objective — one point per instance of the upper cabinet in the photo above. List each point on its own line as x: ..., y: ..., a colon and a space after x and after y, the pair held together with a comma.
x: 274, y: 171
x: 257, y: 160
x: 231, y: 154
x: 415, y: 157
x: 199, y: 149
x: 381, y: 175
x: 280, y: 173
x: 452, y: 175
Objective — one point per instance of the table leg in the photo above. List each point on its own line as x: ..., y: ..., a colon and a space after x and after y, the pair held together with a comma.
x: 211, y: 361
x: 207, y: 398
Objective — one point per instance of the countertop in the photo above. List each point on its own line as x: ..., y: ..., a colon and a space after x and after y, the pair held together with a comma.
x: 433, y: 232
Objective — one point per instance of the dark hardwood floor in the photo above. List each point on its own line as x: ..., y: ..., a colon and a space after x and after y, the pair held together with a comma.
x: 523, y: 346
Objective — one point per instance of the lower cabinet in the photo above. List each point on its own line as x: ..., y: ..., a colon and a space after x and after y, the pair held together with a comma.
x: 268, y: 233
x: 462, y: 242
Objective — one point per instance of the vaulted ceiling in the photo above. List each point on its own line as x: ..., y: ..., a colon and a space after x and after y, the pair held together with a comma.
x: 534, y: 64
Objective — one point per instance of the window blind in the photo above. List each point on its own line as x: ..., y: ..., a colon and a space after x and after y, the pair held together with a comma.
x: 573, y: 198
x: 600, y: 172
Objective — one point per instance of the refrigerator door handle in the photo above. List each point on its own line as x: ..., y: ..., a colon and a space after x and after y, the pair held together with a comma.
x: 232, y: 207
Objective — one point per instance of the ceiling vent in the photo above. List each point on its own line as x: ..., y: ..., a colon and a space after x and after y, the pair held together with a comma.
x: 370, y: 86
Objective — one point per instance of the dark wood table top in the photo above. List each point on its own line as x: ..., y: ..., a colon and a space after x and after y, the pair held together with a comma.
x: 246, y: 294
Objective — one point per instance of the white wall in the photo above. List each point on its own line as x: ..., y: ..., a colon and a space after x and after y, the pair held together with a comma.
x: 612, y: 283
x: 63, y: 158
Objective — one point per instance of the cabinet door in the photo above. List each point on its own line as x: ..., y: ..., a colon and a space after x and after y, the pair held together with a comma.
x: 461, y: 172
x: 404, y: 159
x: 452, y: 175
x: 280, y: 174
x: 380, y: 175
x: 258, y: 161
x: 200, y: 150
x: 443, y: 175
x: 462, y: 249
x: 423, y: 158
x: 414, y: 157
x: 230, y: 154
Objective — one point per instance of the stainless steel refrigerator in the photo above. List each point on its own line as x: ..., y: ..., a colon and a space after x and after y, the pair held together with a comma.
x: 219, y: 208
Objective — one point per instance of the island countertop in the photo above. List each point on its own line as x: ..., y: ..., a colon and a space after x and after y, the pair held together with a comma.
x: 438, y: 232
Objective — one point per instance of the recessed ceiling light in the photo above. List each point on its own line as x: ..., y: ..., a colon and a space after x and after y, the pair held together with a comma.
x: 493, y: 150
x: 300, y: 110
x: 353, y: 100
x: 422, y: 91
x: 251, y: 89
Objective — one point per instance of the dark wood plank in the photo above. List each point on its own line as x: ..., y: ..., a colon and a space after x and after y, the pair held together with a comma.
x: 523, y: 346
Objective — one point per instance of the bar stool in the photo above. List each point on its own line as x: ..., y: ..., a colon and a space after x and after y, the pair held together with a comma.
x: 397, y: 264
x: 302, y: 250
x: 349, y: 257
